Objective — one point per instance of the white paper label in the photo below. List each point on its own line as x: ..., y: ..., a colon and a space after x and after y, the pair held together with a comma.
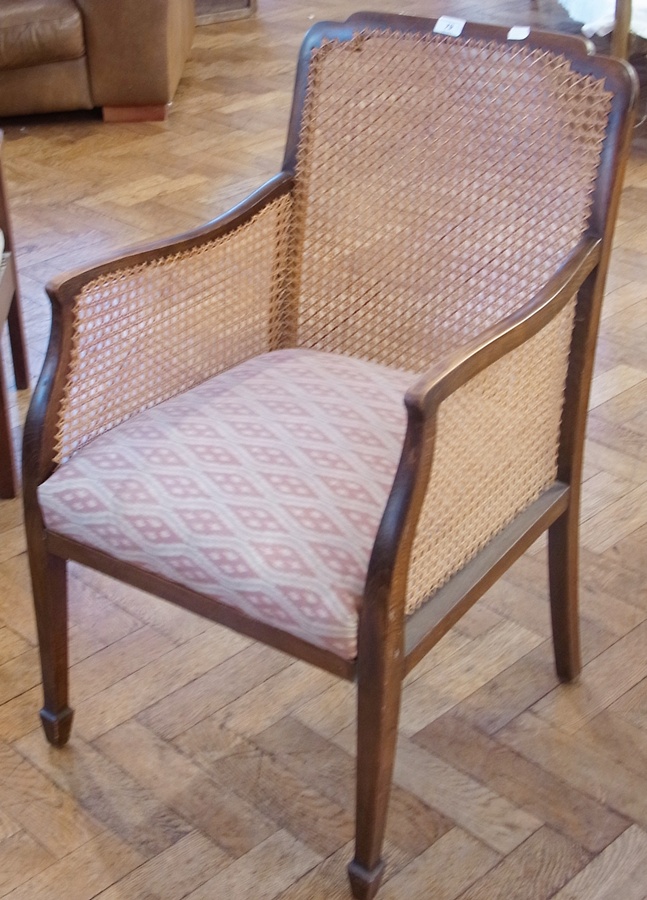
x: 449, y: 25
x: 518, y: 33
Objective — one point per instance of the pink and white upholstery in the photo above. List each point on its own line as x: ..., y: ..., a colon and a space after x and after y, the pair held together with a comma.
x: 262, y: 487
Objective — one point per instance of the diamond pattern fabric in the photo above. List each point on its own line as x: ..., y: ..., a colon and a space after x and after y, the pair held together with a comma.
x: 262, y: 487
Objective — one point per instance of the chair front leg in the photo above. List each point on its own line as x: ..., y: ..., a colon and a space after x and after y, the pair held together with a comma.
x: 563, y: 565
x: 49, y: 583
x: 379, y: 693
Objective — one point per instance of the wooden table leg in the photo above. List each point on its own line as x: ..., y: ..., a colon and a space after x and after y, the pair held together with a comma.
x: 8, y: 480
x: 11, y: 313
x: 17, y: 341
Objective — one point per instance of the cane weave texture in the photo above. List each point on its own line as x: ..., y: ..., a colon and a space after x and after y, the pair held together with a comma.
x: 440, y: 182
x: 145, y: 333
x: 496, y: 451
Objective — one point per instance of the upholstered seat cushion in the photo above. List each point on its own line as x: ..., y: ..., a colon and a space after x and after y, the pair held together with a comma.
x: 33, y: 32
x: 262, y: 487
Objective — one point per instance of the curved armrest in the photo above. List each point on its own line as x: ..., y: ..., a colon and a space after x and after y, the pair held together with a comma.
x: 484, y: 425
x: 450, y: 373
x: 138, y: 329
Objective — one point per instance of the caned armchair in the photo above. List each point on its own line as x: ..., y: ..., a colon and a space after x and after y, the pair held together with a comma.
x: 331, y: 418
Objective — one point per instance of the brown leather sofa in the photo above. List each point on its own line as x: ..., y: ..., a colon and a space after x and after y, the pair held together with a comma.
x: 125, y: 56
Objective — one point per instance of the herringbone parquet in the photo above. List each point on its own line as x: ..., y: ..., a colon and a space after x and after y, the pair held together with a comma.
x: 204, y: 766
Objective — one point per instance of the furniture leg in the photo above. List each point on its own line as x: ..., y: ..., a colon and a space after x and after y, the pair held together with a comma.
x: 18, y: 345
x: 49, y: 583
x: 8, y: 480
x: 379, y: 692
x: 563, y: 567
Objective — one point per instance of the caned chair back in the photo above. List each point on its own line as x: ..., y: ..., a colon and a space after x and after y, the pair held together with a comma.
x: 439, y: 182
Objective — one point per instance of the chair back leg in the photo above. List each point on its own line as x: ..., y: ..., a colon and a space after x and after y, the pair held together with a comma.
x: 563, y: 553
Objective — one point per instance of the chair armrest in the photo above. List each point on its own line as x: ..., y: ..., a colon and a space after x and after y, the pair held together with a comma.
x: 136, y: 49
x: 141, y: 328
x: 482, y: 441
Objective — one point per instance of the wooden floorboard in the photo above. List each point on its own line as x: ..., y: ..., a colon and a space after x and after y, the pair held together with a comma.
x: 203, y: 766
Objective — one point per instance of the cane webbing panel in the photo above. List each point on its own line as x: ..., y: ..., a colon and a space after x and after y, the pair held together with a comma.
x: 440, y: 181
x: 496, y: 450
x: 181, y: 319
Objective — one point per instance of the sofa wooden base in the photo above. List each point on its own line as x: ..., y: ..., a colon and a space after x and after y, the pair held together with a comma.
x: 207, y: 12
x: 135, y: 113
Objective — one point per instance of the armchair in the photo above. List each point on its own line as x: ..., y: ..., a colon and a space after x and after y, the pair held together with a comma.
x: 332, y: 418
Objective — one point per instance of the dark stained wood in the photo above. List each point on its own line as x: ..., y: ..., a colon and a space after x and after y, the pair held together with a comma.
x: 506, y: 693
x: 563, y: 549
x: 10, y: 312
x: 16, y: 329
x: 49, y: 584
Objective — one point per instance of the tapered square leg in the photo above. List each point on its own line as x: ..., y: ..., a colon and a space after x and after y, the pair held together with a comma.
x: 378, y: 711
x: 49, y: 582
x: 365, y: 884
x: 563, y: 564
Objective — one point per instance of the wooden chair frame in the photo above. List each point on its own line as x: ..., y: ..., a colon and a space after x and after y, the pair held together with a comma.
x: 10, y: 312
x: 390, y: 645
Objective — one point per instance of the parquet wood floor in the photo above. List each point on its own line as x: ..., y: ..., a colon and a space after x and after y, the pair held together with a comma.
x: 203, y: 766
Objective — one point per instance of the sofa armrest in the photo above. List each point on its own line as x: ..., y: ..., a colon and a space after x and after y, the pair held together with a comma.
x: 136, y: 49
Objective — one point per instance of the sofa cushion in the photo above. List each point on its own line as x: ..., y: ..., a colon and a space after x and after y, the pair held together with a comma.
x: 263, y: 488
x: 36, y: 32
